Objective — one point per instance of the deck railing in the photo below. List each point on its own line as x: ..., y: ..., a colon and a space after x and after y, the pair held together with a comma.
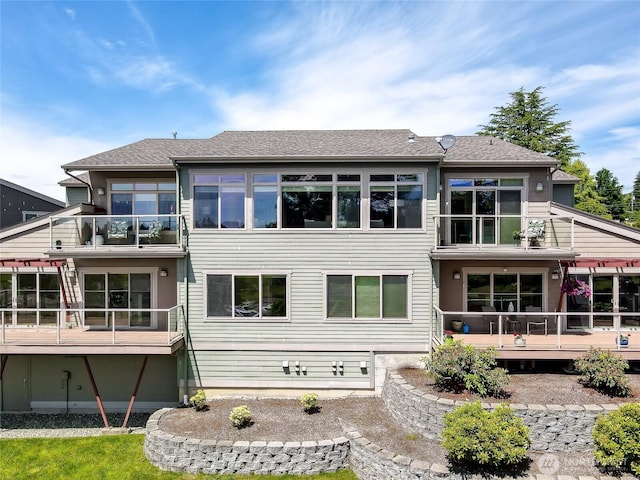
x: 99, y: 231
x: 505, y: 231
x: 34, y: 324
x: 543, y: 329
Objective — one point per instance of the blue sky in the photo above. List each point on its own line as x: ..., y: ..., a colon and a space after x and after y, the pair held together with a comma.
x: 78, y: 78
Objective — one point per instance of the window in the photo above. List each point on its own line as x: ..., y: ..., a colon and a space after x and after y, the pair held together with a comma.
x: 367, y: 297
x: 395, y: 200
x: 218, y: 201
x: 31, y: 291
x: 501, y: 289
x: 109, y: 292
x: 247, y: 295
x: 149, y: 199
x: 484, y: 210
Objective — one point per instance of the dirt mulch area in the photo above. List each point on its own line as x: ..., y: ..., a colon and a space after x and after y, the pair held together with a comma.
x: 284, y: 419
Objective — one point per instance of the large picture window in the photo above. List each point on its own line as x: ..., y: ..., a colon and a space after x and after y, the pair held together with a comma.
x: 247, y: 295
x: 484, y: 210
x: 219, y: 201
x: 521, y: 290
x: 31, y: 292
x: 376, y: 297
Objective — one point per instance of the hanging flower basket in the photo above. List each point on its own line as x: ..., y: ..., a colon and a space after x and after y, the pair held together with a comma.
x: 576, y: 288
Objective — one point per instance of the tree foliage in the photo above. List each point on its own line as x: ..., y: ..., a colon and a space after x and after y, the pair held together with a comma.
x: 528, y: 121
x: 585, y: 193
x: 610, y: 190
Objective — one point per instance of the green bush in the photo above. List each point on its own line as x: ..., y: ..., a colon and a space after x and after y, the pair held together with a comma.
x: 240, y: 416
x: 199, y: 400
x: 604, y: 371
x: 617, y: 440
x: 309, y: 402
x: 488, y: 441
x: 456, y: 367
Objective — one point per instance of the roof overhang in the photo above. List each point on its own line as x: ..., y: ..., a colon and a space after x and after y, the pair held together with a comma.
x: 520, y: 255
x: 119, y: 168
x: 306, y: 159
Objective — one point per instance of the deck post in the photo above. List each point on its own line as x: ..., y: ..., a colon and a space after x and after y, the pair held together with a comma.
x: 95, y: 391
x: 135, y: 392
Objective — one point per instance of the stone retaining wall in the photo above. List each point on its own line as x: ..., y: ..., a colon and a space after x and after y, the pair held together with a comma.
x: 182, y: 454
x: 551, y: 427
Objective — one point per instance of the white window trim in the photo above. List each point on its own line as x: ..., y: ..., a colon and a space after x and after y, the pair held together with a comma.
x: 493, y: 270
x: 364, y: 198
x: 369, y: 273
x: 234, y: 273
x: 111, y: 181
x: 248, y: 190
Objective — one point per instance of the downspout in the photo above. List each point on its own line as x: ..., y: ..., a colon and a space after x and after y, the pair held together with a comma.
x: 86, y: 183
x: 185, y: 289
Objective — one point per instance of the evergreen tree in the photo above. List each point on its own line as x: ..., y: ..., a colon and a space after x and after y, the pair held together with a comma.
x: 610, y: 191
x: 528, y: 121
x: 586, y: 194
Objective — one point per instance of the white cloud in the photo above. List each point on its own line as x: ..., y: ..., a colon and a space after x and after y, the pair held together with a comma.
x: 37, y: 154
x: 71, y: 13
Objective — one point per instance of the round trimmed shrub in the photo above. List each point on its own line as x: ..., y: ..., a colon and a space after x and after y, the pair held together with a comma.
x: 485, y: 441
x: 604, y: 371
x: 617, y: 439
x: 240, y: 416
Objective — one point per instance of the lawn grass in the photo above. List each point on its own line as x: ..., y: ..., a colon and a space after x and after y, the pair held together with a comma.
x: 113, y: 457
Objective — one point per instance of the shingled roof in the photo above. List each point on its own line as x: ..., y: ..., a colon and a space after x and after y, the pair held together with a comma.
x: 306, y: 144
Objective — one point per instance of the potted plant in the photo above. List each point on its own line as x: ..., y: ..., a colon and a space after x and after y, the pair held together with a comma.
x: 519, y: 340
x: 456, y: 325
x: 623, y: 340
x: 576, y: 288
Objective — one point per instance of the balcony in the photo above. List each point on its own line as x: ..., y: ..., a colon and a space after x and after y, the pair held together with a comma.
x: 543, y: 340
x: 91, y: 331
x: 116, y: 235
x: 503, y: 233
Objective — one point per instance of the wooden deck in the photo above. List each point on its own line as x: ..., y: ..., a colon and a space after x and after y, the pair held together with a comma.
x: 79, y: 341
x: 553, y: 346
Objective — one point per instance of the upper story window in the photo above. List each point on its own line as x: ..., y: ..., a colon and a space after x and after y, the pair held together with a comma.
x: 484, y: 210
x: 395, y: 200
x: 336, y: 200
x: 218, y: 201
x: 152, y: 198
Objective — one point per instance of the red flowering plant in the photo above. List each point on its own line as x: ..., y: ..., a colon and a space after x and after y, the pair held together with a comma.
x: 576, y: 288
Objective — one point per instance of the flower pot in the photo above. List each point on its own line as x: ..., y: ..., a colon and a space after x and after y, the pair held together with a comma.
x: 520, y: 342
x: 623, y: 342
x: 456, y: 325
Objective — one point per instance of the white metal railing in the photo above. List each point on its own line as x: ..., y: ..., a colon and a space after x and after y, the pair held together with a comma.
x: 169, y: 320
x: 98, y: 231
x: 547, y: 329
x: 507, y: 231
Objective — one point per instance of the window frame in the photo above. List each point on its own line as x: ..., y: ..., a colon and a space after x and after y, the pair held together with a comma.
x: 219, y: 205
x: 377, y: 273
x: 543, y: 272
x: 136, y: 181
x: 246, y: 273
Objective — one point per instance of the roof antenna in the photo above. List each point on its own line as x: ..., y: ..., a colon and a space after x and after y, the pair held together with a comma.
x: 174, y: 133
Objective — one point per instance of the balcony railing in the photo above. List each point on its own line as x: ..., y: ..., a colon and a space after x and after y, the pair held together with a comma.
x: 503, y: 231
x: 541, y: 330
x: 117, y: 231
x: 47, y: 326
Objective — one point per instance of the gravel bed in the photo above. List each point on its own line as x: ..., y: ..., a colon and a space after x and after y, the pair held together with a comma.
x: 50, y: 425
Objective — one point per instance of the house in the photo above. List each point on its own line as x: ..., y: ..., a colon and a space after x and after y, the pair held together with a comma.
x: 19, y: 204
x: 306, y: 260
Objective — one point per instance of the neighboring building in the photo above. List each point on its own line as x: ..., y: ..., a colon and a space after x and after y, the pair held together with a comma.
x: 300, y: 260
x: 19, y: 204
x: 77, y: 189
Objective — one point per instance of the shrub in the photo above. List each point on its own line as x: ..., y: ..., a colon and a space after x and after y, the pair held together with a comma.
x: 199, y: 400
x: 456, y: 367
x: 474, y: 437
x: 617, y: 439
x: 309, y: 402
x: 604, y: 371
x: 240, y: 416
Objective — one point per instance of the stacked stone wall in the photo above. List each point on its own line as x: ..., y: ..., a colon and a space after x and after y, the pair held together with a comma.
x: 552, y: 428
x: 181, y: 454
